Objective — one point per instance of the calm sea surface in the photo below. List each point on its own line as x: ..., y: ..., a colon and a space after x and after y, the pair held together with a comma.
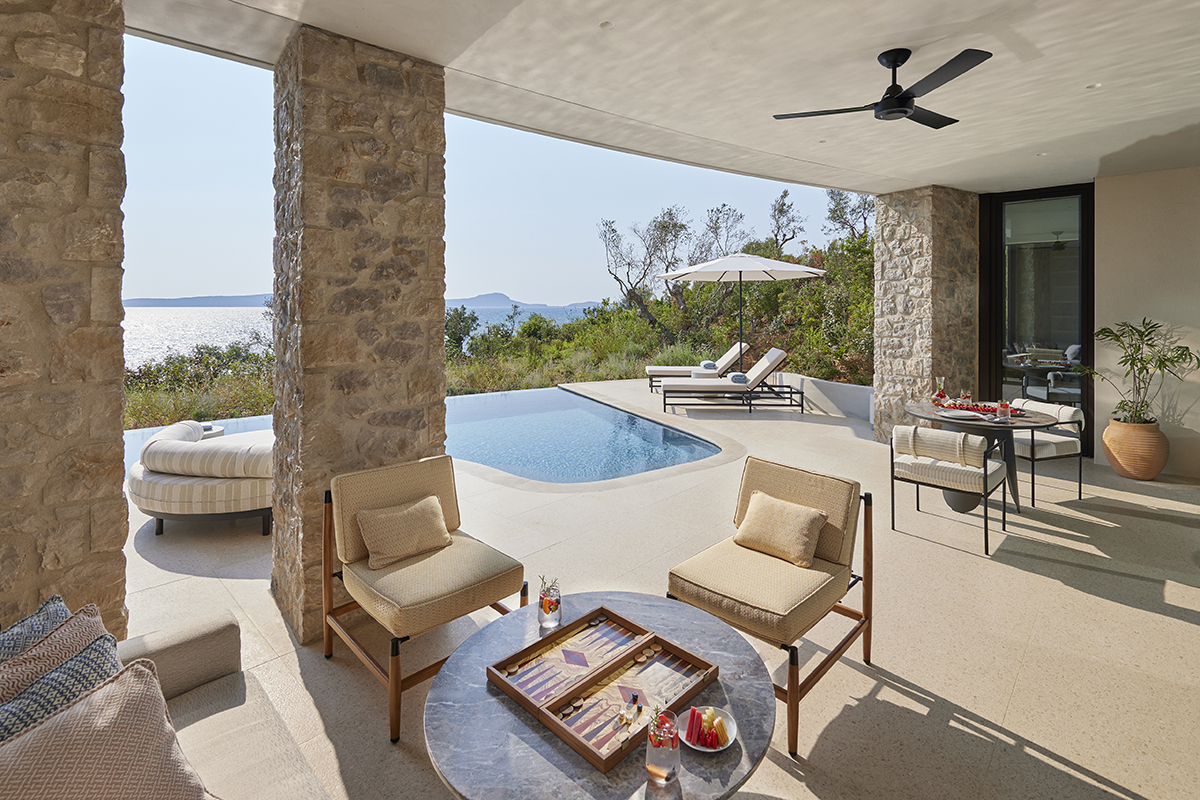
x: 154, y: 332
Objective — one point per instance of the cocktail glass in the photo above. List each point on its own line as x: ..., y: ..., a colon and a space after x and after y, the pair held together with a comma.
x: 662, y: 749
x: 549, y: 605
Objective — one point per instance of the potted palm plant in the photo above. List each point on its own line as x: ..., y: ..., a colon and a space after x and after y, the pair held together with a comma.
x: 1133, y: 443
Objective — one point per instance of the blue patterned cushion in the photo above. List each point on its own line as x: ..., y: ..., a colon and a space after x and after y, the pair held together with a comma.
x: 21, y: 636
x: 94, y: 664
x: 738, y: 377
x: 708, y: 365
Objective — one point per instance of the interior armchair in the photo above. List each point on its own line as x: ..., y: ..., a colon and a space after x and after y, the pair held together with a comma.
x: 786, y: 568
x: 392, y: 538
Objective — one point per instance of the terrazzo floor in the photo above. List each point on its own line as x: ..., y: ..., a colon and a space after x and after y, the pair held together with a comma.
x: 1065, y: 665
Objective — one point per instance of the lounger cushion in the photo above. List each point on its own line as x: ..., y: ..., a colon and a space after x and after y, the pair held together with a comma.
x: 781, y: 529
x: 402, y: 531
x: 179, y: 450
x: 1046, y: 444
x: 704, y: 385
x: 184, y: 494
x: 427, y: 590
x: 668, y: 372
x: 113, y: 741
x: 948, y: 474
x: 766, y: 597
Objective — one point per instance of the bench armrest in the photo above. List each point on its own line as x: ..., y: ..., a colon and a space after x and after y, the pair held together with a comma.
x: 190, y: 654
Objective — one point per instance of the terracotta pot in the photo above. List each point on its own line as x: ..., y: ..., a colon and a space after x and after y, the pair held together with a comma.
x: 1136, y: 450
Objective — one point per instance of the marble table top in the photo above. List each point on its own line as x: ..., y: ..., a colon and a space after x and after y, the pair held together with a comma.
x: 485, y: 745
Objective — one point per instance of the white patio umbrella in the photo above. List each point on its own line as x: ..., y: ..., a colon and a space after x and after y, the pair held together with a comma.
x: 742, y: 267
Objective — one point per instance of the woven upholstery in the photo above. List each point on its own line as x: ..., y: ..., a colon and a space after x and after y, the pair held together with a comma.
x: 384, y: 487
x: 179, y: 450
x: 427, y: 590
x: 58, y: 688
x: 185, y: 494
x: 1046, y: 444
x: 61, y: 644
x: 960, y: 448
x: 837, y: 497
x: 764, y: 596
x: 723, y: 363
x: 947, y: 474
x: 28, y: 631
x: 113, y: 742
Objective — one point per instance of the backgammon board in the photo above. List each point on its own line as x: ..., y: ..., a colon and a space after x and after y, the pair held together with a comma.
x: 580, y: 682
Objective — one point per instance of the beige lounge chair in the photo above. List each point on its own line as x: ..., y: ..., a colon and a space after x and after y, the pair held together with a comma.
x: 655, y: 373
x: 418, y: 592
x: 768, y: 594
x: 724, y: 392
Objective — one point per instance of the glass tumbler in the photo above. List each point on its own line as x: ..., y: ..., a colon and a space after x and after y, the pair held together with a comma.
x: 550, y: 607
x: 662, y: 749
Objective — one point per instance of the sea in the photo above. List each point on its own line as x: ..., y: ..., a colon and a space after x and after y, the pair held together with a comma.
x: 153, y: 332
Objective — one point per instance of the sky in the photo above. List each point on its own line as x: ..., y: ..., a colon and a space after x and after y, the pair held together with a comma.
x: 521, y: 209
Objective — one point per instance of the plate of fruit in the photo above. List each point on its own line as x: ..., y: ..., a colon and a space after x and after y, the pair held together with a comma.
x: 709, y: 729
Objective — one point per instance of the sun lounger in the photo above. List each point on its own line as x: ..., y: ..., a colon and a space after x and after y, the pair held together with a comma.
x: 725, y: 392
x: 655, y: 374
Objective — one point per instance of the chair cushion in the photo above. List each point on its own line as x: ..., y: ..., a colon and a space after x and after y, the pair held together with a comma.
x: 185, y: 494
x: 1046, y: 444
x: 114, y: 741
x: 948, y: 474
x: 766, y: 597
x: 61, y: 644
x: 960, y: 448
x: 1067, y: 415
x: 421, y: 592
x: 395, y: 533
x: 60, y: 686
x: 781, y: 529
x: 25, y: 633
x: 241, y: 455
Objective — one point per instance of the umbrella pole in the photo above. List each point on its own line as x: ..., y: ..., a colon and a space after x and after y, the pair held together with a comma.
x: 741, y: 308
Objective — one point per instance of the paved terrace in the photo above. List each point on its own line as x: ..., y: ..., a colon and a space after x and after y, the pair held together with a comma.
x: 1066, y: 665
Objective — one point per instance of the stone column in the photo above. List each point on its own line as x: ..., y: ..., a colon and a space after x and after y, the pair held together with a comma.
x: 63, y: 517
x: 359, y: 284
x: 926, y: 298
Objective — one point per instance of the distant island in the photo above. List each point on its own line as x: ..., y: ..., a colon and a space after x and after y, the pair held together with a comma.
x: 501, y: 300
x: 492, y: 300
x: 209, y: 301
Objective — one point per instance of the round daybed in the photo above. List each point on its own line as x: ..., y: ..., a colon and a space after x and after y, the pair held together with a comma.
x: 181, y: 475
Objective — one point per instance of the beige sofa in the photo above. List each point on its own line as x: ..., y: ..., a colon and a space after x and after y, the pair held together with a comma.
x: 182, y: 475
x: 227, y: 727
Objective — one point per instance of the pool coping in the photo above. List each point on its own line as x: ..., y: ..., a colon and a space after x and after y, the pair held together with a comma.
x: 731, y: 450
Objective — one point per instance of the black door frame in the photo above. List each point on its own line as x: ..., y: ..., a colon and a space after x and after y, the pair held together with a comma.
x: 991, y: 287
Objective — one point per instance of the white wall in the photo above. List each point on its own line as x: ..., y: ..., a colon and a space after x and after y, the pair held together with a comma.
x: 1148, y: 265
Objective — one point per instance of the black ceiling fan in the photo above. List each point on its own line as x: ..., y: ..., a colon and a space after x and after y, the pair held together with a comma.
x: 897, y: 102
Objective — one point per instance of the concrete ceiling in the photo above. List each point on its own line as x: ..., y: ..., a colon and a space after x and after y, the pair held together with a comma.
x: 698, y: 81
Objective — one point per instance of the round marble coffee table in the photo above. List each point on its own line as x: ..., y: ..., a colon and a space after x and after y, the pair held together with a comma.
x: 483, y: 744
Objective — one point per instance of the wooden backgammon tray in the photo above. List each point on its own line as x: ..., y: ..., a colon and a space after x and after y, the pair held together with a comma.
x: 577, y: 680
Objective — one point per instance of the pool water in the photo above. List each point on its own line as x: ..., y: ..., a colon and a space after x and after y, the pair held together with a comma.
x: 557, y: 436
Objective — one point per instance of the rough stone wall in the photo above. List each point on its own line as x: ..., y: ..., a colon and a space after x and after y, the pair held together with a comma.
x: 63, y: 517
x: 359, y: 284
x: 926, y: 298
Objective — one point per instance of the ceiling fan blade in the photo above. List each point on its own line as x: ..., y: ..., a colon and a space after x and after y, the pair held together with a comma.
x: 930, y: 118
x: 966, y: 60
x: 825, y: 113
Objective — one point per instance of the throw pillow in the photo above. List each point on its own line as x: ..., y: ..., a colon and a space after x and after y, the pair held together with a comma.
x: 20, y: 636
x: 62, y: 643
x: 56, y: 689
x: 114, y: 741
x: 393, y: 534
x: 738, y: 377
x: 708, y: 365
x: 781, y: 529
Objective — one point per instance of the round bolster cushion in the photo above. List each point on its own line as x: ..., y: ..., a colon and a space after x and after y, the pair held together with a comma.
x: 242, y: 455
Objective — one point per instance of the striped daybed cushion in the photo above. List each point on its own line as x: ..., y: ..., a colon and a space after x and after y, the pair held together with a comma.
x: 944, y: 458
x: 181, y: 474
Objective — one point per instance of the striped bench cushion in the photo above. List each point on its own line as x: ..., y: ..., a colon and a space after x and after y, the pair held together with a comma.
x: 177, y: 450
x: 186, y: 494
x: 948, y: 474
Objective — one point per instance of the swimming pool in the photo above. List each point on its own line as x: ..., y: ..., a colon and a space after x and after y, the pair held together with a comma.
x: 557, y: 436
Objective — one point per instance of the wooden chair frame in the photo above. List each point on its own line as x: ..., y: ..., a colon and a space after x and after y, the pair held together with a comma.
x: 984, y: 493
x: 390, y: 678
x: 796, y: 689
